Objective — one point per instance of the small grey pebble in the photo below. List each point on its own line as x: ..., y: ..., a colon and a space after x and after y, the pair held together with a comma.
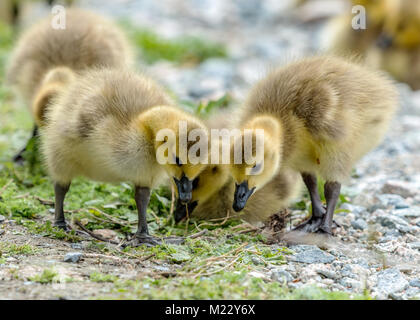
x: 391, y: 281
x: 257, y: 261
x: 1, y: 231
x: 281, y: 276
x: 310, y: 254
x: 415, y: 283
x: 415, y: 245
x: 76, y: 246
x: 73, y: 257
x: 2, y: 218
x: 359, y: 224
x: 328, y: 273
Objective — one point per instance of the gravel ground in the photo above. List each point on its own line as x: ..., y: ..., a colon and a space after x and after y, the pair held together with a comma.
x: 377, y: 247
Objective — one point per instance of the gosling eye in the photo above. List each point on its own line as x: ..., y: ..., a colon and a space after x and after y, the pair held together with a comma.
x: 178, y: 162
x: 214, y: 170
x: 195, y: 183
x: 256, y: 168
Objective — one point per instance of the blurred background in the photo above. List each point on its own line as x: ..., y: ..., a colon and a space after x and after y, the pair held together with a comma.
x: 207, y: 50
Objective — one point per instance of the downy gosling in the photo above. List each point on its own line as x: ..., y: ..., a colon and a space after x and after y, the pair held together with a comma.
x: 320, y: 115
x: 213, y: 188
x: 43, y: 60
x: 397, y: 49
x: 105, y: 126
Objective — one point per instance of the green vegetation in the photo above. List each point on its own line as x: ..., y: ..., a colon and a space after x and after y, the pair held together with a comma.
x: 101, y: 277
x: 184, y: 50
x: 11, y: 249
x: 47, y: 276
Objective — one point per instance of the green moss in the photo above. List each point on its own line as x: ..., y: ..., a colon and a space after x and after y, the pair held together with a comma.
x: 47, y: 230
x: 101, y: 277
x: 229, y: 285
x: 191, y: 50
x: 11, y: 249
x: 47, y: 276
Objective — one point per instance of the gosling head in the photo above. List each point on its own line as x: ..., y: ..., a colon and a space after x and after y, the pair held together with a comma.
x: 256, y: 162
x: 402, y: 25
x: 181, y: 148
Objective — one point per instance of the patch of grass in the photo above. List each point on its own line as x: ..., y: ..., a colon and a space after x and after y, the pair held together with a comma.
x: 205, y: 108
x: 186, y: 49
x: 228, y: 285
x: 102, y: 277
x: 47, y: 230
x: 11, y: 249
x: 47, y: 276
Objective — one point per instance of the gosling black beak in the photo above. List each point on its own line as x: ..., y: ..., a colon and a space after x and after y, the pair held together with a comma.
x: 184, y: 187
x: 384, y: 41
x: 181, y: 210
x: 242, y: 193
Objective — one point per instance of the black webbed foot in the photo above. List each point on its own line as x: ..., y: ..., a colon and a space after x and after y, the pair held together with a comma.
x: 63, y: 225
x: 148, y: 240
x: 317, y: 225
x: 311, y: 225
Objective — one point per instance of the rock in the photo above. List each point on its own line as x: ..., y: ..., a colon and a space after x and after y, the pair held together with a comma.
x: 161, y: 268
x: 401, y: 188
x: 391, y: 281
x: 350, y: 283
x: 359, y: 224
x: 310, y: 254
x: 257, y: 261
x: 412, y: 212
x: 415, y: 245
x: 394, y: 222
x: 105, y: 233
x: 413, y: 293
x: 354, y: 271
x: 397, y: 296
x: 2, y: 231
x: 391, y: 200
x: 281, y: 276
x: 353, y: 208
x: 73, y: 257
x: 76, y: 246
x: 328, y: 273
x: 415, y: 283
x: 2, y: 218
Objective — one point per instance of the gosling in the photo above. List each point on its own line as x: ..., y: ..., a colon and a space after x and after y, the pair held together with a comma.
x: 213, y: 188
x: 320, y: 115
x: 44, y: 57
x: 397, y: 49
x: 341, y: 38
x: 107, y: 126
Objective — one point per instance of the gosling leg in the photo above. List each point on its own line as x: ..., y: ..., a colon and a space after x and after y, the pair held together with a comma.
x: 142, y: 197
x: 60, y: 194
x: 318, y: 210
x: 18, y: 158
x: 332, y: 192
